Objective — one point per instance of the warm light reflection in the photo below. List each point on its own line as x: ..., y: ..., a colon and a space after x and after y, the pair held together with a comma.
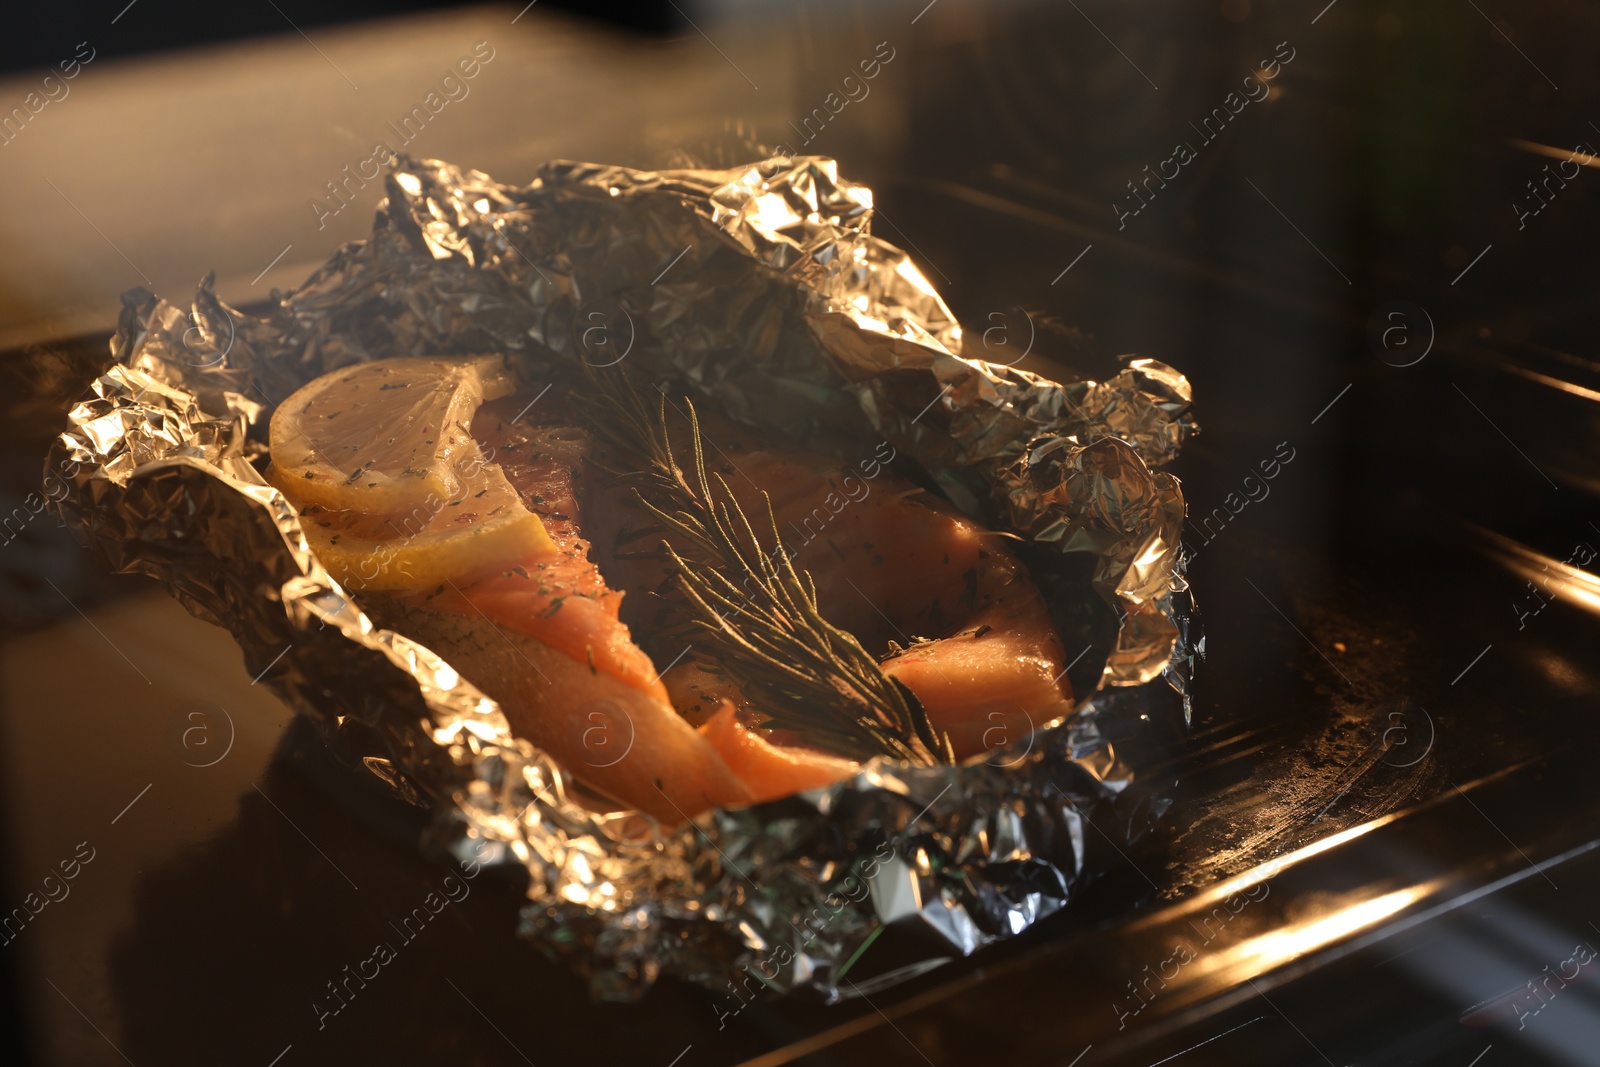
x: 1583, y: 392
x: 1157, y: 548
x: 1271, y: 868
x: 775, y: 213
x: 908, y: 270
x: 1276, y: 947
x: 1556, y: 578
x: 1552, y: 152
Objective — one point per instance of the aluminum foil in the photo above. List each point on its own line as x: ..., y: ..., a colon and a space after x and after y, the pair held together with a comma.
x: 762, y: 290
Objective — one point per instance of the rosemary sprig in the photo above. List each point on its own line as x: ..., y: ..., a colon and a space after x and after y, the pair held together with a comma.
x: 754, y: 607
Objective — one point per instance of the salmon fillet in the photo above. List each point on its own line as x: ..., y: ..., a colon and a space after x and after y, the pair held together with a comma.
x: 552, y: 636
x: 543, y: 638
x: 895, y: 565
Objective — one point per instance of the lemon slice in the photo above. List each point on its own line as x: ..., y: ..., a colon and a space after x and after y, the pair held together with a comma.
x: 384, y: 434
x: 427, y: 507
x: 428, y: 543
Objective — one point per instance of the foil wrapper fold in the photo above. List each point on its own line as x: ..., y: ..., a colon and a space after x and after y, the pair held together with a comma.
x: 762, y: 290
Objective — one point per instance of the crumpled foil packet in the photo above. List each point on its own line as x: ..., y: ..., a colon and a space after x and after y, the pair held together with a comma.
x: 762, y: 290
